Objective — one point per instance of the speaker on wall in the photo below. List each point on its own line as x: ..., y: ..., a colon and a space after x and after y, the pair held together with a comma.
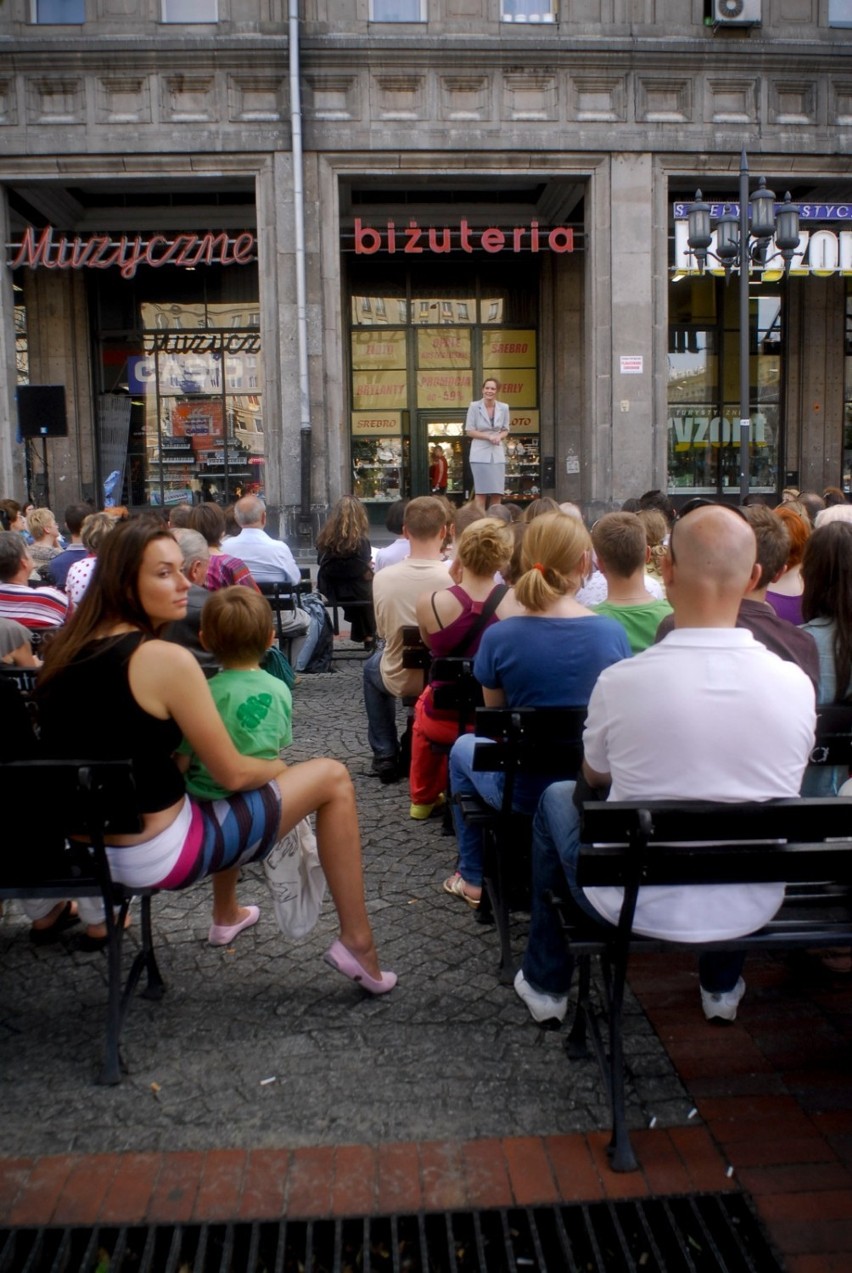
x: 41, y: 411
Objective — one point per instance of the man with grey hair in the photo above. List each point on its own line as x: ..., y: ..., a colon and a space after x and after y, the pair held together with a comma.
x: 196, y: 555
x: 268, y: 559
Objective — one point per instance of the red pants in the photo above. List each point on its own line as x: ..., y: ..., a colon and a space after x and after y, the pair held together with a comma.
x: 428, y: 774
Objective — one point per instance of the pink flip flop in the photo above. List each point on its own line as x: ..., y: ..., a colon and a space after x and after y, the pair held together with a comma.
x: 224, y: 934
x: 338, y: 957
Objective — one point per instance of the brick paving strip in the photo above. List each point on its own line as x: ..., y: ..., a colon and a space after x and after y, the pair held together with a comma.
x: 311, y: 1183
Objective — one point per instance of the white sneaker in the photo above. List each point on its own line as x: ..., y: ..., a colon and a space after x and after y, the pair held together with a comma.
x: 542, y: 1007
x: 722, y: 1007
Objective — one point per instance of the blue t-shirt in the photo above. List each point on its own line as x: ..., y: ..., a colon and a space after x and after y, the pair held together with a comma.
x: 539, y: 662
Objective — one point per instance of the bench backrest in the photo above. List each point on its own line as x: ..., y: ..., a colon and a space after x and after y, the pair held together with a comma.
x: 833, y: 742
x: 455, y: 688
x: 630, y: 841
x: 542, y: 741
x: 44, y: 801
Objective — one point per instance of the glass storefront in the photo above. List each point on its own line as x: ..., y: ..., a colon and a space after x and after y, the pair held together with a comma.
x: 703, y: 386
x: 421, y: 345
x: 180, y: 405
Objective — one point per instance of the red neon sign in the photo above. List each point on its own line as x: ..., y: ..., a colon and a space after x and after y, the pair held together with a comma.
x: 413, y: 238
x: 47, y: 250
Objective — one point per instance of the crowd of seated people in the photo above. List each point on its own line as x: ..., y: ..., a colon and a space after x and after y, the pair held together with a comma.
x: 547, y: 611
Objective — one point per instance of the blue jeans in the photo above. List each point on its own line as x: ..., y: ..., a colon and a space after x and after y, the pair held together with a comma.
x: 489, y: 787
x: 547, y: 964
x: 381, y: 710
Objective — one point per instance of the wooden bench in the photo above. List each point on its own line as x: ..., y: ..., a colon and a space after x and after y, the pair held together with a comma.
x: 529, y: 742
x: 45, y: 801
x: 634, y: 843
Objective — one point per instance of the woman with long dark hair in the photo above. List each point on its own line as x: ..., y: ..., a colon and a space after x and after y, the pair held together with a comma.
x: 827, y: 611
x: 109, y: 677
x: 345, y: 574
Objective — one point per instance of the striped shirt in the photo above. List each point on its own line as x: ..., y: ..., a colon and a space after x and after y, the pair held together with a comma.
x: 33, y: 607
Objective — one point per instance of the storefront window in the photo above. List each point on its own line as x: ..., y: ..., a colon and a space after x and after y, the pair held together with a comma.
x: 412, y: 381
x: 703, y: 386
x: 200, y: 374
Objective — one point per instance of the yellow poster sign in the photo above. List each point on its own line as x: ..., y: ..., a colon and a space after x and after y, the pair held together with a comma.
x: 372, y: 389
x: 444, y: 388
x: 376, y: 424
x: 443, y: 347
x: 517, y: 387
x: 509, y: 348
x: 378, y: 350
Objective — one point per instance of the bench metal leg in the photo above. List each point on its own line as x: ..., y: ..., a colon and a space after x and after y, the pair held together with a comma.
x: 494, y: 880
x: 110, y: 1073
x: 620, y: 1150
x: 576, y: 1045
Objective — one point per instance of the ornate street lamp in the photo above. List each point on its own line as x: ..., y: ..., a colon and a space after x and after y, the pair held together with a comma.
x: 744, y: 239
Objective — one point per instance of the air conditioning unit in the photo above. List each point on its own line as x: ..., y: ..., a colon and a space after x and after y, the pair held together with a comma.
x: 736, y: 12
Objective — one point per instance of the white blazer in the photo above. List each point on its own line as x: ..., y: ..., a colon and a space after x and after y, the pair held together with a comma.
x: 482, y: 452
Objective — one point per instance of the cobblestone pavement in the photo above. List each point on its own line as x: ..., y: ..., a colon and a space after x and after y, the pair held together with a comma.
x: 264, y: 1045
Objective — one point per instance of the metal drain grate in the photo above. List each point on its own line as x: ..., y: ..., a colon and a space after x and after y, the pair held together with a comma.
x: 713, y: 1232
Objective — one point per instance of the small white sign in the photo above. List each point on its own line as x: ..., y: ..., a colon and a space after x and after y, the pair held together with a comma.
x: 572, y: 464
x: 632, y: 364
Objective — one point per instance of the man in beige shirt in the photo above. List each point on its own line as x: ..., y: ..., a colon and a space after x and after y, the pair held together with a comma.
x: 395, y: 593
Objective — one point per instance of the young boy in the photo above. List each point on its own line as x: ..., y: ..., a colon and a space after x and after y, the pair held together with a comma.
x: 256, y: 708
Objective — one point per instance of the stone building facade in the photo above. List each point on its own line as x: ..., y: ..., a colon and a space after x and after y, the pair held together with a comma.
x: 278, y: 251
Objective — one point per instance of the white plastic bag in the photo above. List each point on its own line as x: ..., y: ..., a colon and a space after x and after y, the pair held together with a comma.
x: 296, y: 880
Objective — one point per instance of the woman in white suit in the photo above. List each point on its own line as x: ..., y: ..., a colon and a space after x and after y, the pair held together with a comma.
x: 487, y: 424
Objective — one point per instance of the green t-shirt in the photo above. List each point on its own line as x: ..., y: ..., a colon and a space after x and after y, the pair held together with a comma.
x: 257, y: 709
x: 639, y: 622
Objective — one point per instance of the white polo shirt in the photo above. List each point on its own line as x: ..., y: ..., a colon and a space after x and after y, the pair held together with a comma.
x: 708, y: 714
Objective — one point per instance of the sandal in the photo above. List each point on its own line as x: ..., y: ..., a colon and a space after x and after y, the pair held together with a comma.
x: 66, y: 918
x: 455, y: 886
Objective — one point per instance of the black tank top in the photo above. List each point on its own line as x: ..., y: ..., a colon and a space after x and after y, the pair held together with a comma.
x: 88, y: 711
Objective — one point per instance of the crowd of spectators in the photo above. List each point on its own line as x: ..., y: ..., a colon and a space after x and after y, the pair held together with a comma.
x: 689, y: 637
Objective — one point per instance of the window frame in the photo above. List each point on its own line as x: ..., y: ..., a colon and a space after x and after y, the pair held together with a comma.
x: 535, y: 12
x: 840, y: 23
x: 36, y: 20
x: 205, y: 21
x: 421, y: 4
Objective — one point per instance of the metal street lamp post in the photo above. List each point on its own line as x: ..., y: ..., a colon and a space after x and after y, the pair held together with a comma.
x: 744, y: 240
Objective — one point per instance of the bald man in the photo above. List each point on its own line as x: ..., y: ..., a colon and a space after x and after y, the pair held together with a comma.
x: 708, y: 714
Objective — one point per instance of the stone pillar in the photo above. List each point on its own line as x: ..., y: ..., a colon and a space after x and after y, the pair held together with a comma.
x: 60, y: 354
x: 632, y: 361
x: 12, y: 478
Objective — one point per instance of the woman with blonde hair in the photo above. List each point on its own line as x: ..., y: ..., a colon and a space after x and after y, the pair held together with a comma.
x: 452, y: 623
x: 549, y: 656
x: 345, y: 573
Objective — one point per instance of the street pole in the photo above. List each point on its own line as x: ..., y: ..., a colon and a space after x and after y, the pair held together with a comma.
x: 745, y: 413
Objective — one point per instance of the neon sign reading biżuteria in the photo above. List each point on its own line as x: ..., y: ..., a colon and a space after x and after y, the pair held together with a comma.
x: 47, y: 250
x: 412, y: 239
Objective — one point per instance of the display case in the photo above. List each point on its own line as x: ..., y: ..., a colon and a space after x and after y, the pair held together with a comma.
x: 523, y: 467
x: 449, y: 436
x: 379, y: 468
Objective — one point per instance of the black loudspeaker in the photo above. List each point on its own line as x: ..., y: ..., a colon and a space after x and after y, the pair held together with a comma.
x: 41, y: 411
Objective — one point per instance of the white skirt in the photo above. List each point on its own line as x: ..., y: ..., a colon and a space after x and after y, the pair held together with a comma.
x: 488, y: 479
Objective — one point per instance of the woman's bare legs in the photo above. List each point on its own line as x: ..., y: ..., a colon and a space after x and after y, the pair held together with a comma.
x: 226, y: 909
x: 495, y: 499
x: 479, y: 501
x: 324, y: 786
